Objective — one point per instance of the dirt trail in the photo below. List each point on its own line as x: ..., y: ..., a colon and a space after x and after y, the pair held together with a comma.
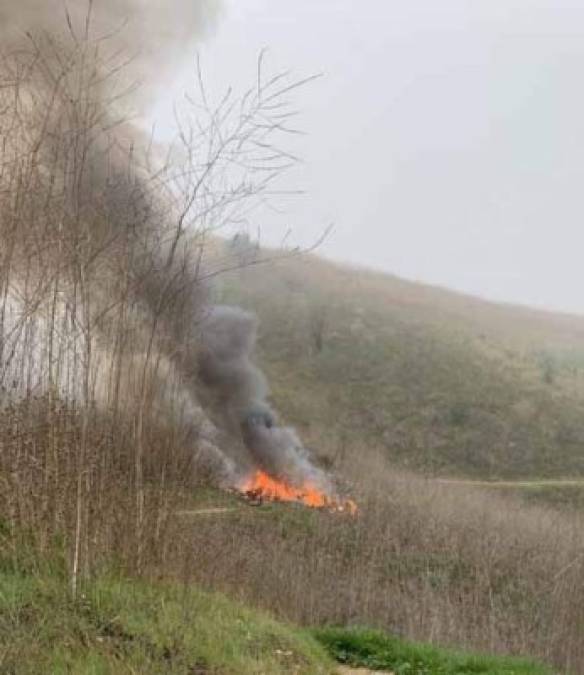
x: 211, y: 511
x: 344, y: 670
x: 512, y: 483
x: 498, y: 484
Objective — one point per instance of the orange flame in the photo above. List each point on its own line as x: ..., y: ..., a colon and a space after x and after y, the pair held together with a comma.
x: 261, y: 485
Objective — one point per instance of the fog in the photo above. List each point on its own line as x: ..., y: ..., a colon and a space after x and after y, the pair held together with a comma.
x: 445, y: 139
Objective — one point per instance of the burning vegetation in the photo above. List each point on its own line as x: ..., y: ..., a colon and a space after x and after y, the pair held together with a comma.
x: 260, y: 486
x: 282, y: 467
x: 106, y: 317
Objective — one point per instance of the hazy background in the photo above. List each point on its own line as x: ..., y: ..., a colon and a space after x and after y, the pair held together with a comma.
x: 446, y: 140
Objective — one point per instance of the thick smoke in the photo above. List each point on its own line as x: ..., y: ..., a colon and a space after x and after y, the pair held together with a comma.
x: 228, y: 342
x: 75, y: 72
x: 152, y: 36
x: 64, y: 92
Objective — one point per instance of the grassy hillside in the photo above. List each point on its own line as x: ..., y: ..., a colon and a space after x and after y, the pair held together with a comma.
x: 101, y: 457
x: 441, y: 382
x: 126, y: 626
x: 456, y: 566
x: 371, y: 369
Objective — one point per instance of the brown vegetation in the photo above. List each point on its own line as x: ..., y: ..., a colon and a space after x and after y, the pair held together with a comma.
x: 104, y: 482
x: 448, y: 564
x: 444, y: 383
x: 102, y: 288
x: 440, y: 563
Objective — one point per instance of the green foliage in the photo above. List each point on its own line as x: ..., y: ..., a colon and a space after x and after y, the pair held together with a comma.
x: 19, y: 554
x: 119, y: 625
x: 377, y: 651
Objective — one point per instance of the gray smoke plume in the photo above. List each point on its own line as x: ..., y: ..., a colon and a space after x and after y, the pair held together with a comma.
x: 61, y: 50
x: 228, y: 343
x: 79, y: 70
x: 154, y: 36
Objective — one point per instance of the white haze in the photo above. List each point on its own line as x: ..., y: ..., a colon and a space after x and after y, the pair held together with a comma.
x: 150, y: 37
x: 445, y: 140
x: 119, y: 233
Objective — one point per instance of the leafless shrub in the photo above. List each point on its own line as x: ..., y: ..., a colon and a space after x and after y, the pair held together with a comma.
x: 452, y: 565
x: 103, y: 283
x: 102, y: 274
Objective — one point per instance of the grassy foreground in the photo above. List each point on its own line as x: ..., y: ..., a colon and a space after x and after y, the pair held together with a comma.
x: 374, y: 650
x: 128, y: 626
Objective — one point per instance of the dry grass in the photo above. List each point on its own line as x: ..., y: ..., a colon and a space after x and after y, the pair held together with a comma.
x: 432, y: 562
x: 447, y: 384
x: 40, y: 466
x: 449, y: 565
x: 102, y: 288
x: 456, y: 566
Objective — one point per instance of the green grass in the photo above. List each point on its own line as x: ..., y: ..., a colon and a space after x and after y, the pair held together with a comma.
x: 119, y: 625
x: 377, y: 651
x: 123, y: 626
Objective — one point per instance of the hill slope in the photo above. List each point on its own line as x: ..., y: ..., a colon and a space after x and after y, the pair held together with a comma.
x: 442, y: 382
x: 121, y: 625
x: 129, y: 626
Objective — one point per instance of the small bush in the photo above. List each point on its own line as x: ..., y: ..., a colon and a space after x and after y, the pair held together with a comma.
x: 375, y: 650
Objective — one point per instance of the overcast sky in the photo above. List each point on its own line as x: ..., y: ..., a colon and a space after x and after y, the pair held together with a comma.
x: 446, y: 138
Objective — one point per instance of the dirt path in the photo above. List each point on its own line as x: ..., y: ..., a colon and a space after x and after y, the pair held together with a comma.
x: 512, y: 483
x: 207, y: 512
x: 344, y: 670
x: 497, y: 484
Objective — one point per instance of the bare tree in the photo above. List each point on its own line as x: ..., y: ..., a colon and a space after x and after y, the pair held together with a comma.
x: 103, y: 277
